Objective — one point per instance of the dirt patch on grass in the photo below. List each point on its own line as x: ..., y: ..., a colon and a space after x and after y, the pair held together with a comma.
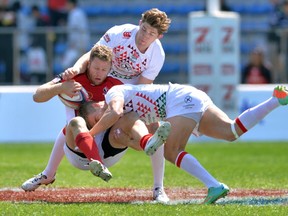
x: 129, y: 195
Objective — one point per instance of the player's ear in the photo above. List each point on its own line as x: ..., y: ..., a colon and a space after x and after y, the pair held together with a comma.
x: 160, y: 36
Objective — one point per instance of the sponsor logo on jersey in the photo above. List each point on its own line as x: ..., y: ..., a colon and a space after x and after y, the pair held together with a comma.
x: 188, y: 99
x: 127, y: 35
x: 106, y: 38
x: 135, y: 56
x: 105, y: 90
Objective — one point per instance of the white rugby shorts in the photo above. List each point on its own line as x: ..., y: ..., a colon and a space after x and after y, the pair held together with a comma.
x: 79, y: 160
x: 187, y: 101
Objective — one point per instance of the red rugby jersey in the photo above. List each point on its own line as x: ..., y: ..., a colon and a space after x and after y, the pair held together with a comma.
x: 96, y: 92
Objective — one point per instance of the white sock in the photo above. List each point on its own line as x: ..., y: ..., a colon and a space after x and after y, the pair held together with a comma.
x: 56, y: 156
x: 158, y: 166
x: 252, y: 116
x: 191, y: 165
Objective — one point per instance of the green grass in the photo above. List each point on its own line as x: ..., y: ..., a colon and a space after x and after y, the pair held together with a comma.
x: 239, y: 165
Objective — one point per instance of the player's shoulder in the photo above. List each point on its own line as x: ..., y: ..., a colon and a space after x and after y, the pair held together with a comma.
x: 113, y: 81
x: 122, y: 28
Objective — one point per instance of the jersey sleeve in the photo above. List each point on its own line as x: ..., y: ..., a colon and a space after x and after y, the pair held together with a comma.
x: 113, y: 92
x: 156, y: 62
x: 110, y: 37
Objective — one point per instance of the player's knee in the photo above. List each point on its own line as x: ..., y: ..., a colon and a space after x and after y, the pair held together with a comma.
x: 233, y: 135
x: 231, y: 138
x: 76, y: 122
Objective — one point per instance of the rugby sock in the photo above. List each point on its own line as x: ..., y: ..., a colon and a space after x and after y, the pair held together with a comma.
x: 158, y: 166
x: 56, y: 155
x: 191, y: 165
x: 87, y: 145
x: 144, y: 140
x: 252, y: 116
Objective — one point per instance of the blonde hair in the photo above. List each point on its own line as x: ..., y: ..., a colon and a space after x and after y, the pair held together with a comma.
x: 157, y: 19
x: 102, y: 52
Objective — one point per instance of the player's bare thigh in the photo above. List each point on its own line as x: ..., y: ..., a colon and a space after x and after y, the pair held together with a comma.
x: 215, y: 123
x: 181, y: 130
x: 131, y: 131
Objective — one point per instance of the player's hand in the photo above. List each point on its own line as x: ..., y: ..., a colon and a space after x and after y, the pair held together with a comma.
x: 71, y: 87
x: 69, y: 73
x: 153, y: 127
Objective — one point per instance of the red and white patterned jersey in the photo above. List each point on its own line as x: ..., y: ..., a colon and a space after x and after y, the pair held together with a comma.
x: 149, y: 101
x: 128, y: 62
x: 159, y: 102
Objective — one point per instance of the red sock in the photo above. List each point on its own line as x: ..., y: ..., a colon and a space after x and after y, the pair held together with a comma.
x: 144, y: 140
x: 179, y: 158
x: 87, y: 145
x: 241, y: 126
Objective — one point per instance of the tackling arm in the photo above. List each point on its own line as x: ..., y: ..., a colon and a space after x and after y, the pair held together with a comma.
x: 110, y: 116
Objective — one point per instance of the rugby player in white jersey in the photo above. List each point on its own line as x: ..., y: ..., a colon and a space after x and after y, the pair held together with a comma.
x: 188, y: 110
x: 138, y: 57
x: 105, y: 149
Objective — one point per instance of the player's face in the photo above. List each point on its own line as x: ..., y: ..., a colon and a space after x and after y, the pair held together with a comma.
x: 98, y: 70
x: 145, y: 36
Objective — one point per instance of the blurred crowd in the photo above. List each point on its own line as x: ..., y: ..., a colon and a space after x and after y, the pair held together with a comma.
x: 264, y: 65
x: 32, y: 44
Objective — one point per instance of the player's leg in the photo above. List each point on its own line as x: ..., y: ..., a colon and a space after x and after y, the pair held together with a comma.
x: 158, y: 168
x: 48, y: 175
x: 77, y: 135
x: 181, y: 129
x: 254, y: 115
x: 56, y: 156
x: 215, y: 123
x: 132, y: 132
x: 128, y: 131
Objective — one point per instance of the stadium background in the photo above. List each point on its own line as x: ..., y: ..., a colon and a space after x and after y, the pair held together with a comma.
x: 103, y: 15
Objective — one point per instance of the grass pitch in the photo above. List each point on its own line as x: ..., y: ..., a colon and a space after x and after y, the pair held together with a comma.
x: 239, y: 165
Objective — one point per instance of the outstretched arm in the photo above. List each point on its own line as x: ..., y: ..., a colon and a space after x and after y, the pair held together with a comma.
x: 110, y: 116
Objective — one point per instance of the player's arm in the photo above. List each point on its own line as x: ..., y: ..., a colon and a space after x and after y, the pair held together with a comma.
x: 110, y: 116
x: 50, y: 89
x: 79, y: 67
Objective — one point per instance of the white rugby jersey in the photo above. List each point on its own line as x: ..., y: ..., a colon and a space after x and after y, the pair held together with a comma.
x: 149, y: 101
x: 159, y: 102
x: 128, y: 62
